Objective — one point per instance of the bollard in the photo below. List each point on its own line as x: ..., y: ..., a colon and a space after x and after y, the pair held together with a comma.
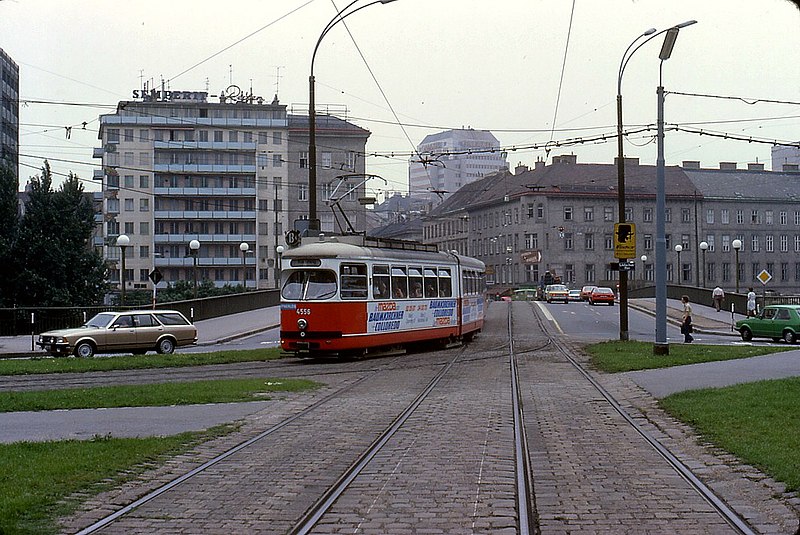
x: 33, y: 315
x: 191, y: 314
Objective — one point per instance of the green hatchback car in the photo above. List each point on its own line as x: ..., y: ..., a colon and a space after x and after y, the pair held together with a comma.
x: 779, y: 322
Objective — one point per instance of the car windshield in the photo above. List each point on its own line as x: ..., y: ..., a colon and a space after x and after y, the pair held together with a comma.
x: 305, y: 285
x: 558, y: 288
x: 100, y: 320
x: 603, y: 291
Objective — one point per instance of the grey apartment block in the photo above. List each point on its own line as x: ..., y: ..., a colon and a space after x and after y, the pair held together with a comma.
x: 560, y: 218
x: 177, y: 167
x: 9, y: 111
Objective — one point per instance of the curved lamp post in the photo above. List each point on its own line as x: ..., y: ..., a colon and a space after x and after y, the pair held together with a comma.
x: 661, y: 346
x: 623, y: 275
x: 123, y: 241
x: 678, y: 270
x: 279, y: 249
x: 703, y: 248
x: 737, y: 246
x: 194, y: 247
x: 244, y: 247
x: 313, y: 222
x: 643, y: 258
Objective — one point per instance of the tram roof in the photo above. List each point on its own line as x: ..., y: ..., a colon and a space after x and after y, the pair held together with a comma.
x: 366, y: 247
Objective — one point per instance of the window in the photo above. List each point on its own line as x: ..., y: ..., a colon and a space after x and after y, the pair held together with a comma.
x: 399, y: 282
x: 326, y: 160
x: 128, y: 205
x: 445, y: 283
x: 144, y: 205
x: 277, y: 138
x: 740, y: 217
x: 628, y: 214
x: 589, y: 273
x: 589, y: 240
x: 685, y: 242
x: 127, y: 181
x: 755, y: 217
x: 755, y: 246
x: 784, y: 240
x: 769, y: 243
x: 415, y: 282
x: 710, y: 216
x: 710, y: 242
x: 724, y: 216
x: 532, y: 241
x: 648, y: 242
x: 233, y: 136
x: 568, y: 213
x: 144, y: 181
x: 668, y: 215
x: 353, y: 280
x: 431, y: 283
x: 608, y: 213
x: 768, y: 217
x: 112, y: 136
x: 129, y: 228
x: 783, y: 217
x: 144, y: 251
x: 277, y: 161
x: 302, y: 192
x: 588, y: 213
x: 608, y: 242
x: 686, y: 215
x: 144, y: 228
x: 144, y: 135
x: 112, y: 206
x: 726, y: 244
x: 647, y: 215
x: 540, y: 211
x: 248, y: 137
x: 218, y: 136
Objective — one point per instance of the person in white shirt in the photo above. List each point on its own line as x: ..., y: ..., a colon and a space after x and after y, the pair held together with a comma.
x: 717, y: 296
x: 686, y: 322
x: 751, y: 303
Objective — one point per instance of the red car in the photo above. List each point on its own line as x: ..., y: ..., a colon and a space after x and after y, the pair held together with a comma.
x: 601, y: 295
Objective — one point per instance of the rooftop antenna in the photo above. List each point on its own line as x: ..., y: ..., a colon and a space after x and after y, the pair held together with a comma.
x: 278, y: 78
x: 208, y: 84
x: 141, y: 79
x: 230, y: 74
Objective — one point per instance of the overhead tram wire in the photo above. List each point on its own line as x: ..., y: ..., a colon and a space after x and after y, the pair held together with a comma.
x: 563, y: 67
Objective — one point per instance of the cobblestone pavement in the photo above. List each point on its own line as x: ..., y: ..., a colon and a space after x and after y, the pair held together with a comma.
x: 451, y: 468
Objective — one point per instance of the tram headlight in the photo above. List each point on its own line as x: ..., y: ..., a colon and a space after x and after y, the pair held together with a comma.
x: 302, y: 324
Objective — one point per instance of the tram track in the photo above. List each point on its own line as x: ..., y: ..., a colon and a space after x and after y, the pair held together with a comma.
x: 731, y: 517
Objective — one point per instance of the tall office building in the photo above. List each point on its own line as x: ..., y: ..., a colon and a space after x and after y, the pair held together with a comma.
x: 178, y: 167
x: 9, y: 111
x: 453, y: 159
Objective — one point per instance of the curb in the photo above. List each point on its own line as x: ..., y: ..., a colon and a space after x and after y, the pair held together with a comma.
x: 677, y: 323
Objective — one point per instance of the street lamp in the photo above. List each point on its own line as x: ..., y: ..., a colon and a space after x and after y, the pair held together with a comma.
x: 194, y: 247
x: 243, y: 247
x: 623, y: 275
x: 123, y: 241
x: 703, y: 249
x: 678, y: 249
x: 279, y: 249
x: 313, y: 222
x: 737, y: 245
x: 643, y: 258
x: 661, y: 347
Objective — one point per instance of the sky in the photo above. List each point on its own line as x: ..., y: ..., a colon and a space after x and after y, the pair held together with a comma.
x: 540, y: 74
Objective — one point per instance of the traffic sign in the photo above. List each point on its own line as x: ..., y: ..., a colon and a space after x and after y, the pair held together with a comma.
x: 624, y: 240
x: 764, y: 277
x: 156, y: 276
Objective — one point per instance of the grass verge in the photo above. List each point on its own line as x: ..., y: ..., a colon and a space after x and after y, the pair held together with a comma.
x: 619, y: 356
x: 39, y: 478
x: 151, y: 395
x: 758, y: 422
x: 47, y: 364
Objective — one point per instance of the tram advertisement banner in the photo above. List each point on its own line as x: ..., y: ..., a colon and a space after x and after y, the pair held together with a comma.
x: 388, y: 316
x: 471, y: 309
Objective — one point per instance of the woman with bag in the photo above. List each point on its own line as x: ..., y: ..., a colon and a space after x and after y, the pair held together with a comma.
x: 686, y: 322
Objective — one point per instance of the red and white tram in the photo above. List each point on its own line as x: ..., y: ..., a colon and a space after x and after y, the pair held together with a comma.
x: 355, y: 294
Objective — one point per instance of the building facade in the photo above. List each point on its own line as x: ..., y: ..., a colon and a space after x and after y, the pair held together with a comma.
x: 177, y: 167
x: 560, y: 218
x: 453, y: 159
x: 9, y: 112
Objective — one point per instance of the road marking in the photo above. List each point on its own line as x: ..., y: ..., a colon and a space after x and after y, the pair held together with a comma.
x: 548, y: 315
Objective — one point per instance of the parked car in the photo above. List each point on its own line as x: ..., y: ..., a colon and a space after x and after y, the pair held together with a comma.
x: 556, y: 292
x: 779, y: 322
x: 136, y: 331
x: 601, y: 294
x: 586, y: 291
x: 575, y: 295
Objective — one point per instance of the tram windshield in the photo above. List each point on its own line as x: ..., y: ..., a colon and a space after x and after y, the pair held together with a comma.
x: 305, y: 285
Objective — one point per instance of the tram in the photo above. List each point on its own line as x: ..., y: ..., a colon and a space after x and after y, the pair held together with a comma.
x: 346, y: 295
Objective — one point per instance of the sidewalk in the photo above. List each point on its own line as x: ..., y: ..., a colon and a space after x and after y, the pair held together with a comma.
x: 209, y: 332
x: 705, y: 319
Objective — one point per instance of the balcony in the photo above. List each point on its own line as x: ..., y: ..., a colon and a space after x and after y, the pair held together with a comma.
x: 204, y: 261
x: 204, y: 214
x: 205, y: 239
x: 188, y: 122
x: 194, y: 192
x: 206, y: 145
x: 98, y: 152
x: 203, y: 168
x: 98, y: 174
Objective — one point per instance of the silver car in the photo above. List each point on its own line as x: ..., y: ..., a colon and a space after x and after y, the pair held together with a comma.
x: 135, y: 331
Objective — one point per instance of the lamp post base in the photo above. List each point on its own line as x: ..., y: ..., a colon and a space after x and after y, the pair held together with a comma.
x: 660, y: 349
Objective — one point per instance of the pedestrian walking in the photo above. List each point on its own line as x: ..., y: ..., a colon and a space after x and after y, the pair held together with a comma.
x: 686, y: 321
x: 717, y: 296
x: 751, y: 303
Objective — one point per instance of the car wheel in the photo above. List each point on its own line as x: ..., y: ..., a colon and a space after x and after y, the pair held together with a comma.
x: 747, y: 334
x: 84, y: 350
x: 166, y: 346
x: 789, y: 337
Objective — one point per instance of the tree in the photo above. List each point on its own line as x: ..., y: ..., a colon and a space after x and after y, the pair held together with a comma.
x: 58, y: 265
x: 9, y: 219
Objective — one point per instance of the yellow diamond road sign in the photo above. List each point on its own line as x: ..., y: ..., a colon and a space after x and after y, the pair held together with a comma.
x: 764, y: 277
x: 624, y: 240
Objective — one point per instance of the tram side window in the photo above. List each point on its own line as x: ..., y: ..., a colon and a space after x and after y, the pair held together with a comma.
x: 353, y: 279
x: 445, y: 283
x: 415, y: 282
x: 380, y: 282
x: 431, y: 283
x: 399, y: 283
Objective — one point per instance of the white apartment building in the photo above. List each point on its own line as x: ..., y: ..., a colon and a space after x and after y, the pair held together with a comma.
x: 453, y: 158
x: 176, y: 168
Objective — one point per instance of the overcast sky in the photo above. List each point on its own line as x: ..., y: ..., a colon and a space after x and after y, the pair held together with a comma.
x: 440, y: 64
